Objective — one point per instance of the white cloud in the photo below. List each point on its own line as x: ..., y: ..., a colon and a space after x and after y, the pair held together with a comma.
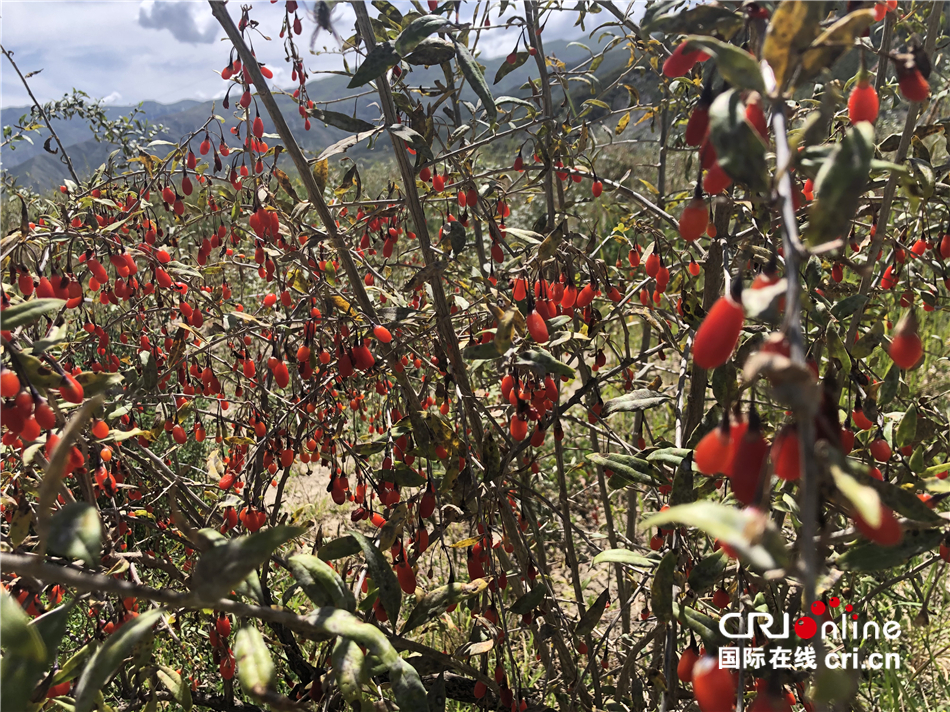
x: 113, y: 98
x: 187, y: 21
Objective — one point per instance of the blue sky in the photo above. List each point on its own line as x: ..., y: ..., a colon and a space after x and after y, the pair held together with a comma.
x: 128, y: 51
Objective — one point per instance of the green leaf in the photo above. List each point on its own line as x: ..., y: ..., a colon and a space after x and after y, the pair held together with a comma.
x: 867, y: 556
x: 348, y: 666
x: 255, y: 668
x: 739, y: 148
x: 682, y: 490
x: 585, y: 626
x: 747, y: 531
x: 707, y: 572
x: 863, y: 498
x: 417, y: 31
x: 179, y: 689
x: 672, y: 18
x: 701, y: 624
x: 622, y: 556
x: 907, y: 430
x: 763, y: 303
x: 661, y: 591
x: 869, y: 341
x: 638, y: 400
x: 630, y: 470
x: 840, y: 184
x: 55, y: 337
x: 21, y: 671
x: 414, y: 139
x: 433, y: 604
x: 405, y: 681
x: 793, y: 26
x: 380, y: 59
x: 106, y: 660
x: 507, y: 67
x: 476, y: 79
x: 848, y: 306
x: 890, y: 385
x: 75, y: 532
x: 837, y: 349
x: 530, y: 600
x: 736, y: 65
x: 543, y: 362
x: 321, y: 583
x: 339, y: 548
x: 481, y: 352
x: 403, y: 475
x: 348, y: 123
x: 227, y: 562
x: 19, y: 638
x: 431, y: 51
x: 455, y: 232
x: 390, y: 594
x: 28, y: 312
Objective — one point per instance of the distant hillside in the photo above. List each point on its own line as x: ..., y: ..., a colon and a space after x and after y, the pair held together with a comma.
x: 33, y: 167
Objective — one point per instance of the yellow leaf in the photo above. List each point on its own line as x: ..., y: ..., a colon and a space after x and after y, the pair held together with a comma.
x: 622, y: 124
x: 321, y: 172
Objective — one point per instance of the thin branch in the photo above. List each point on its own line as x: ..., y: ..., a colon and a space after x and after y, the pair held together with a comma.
x: 39, y: 107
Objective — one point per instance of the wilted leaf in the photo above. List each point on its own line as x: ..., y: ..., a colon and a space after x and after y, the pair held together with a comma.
x: 506, y: 67
x: 348, y: 666
x: 434, y: 603
x: 793, y: 26
x: 834, y: 42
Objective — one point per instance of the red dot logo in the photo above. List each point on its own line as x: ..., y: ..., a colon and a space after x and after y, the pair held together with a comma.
x: 817, y: 608
x: 834, y: 602
x: 805, y: 627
